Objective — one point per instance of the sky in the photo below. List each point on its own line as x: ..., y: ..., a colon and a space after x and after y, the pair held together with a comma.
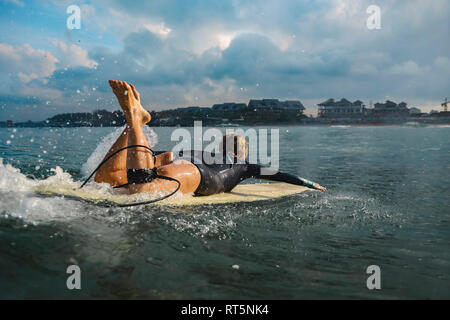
x: 182, y: 53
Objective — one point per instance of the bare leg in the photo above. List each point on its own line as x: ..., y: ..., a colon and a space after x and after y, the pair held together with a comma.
x: 114, y: 171
x: 138, y: 158
x: 141, y: 158
x: 163, y: 159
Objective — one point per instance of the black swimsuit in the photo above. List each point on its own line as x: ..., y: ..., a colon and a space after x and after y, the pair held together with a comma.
x: 219, y: 177
x: 223, y: 177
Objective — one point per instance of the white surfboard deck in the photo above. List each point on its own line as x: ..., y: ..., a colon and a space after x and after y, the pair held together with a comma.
x: 241, y: 193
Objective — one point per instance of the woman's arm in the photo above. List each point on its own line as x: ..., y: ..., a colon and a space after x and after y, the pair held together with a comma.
x: 254, y: 171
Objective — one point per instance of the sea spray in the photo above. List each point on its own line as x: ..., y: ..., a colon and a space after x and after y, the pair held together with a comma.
x: 102, y: 148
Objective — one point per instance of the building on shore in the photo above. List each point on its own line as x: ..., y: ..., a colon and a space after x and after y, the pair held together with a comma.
x: 390, y: 109
x: 344, y: 108
x: 340, y: 109
x: 273, y: 104
x: 228, y: 106
x: 415, y: 111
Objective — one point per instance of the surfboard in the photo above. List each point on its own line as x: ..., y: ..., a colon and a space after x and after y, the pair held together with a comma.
x: 241, y: 193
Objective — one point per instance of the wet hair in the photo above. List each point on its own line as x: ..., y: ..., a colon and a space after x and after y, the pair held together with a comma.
x: 236, y: 146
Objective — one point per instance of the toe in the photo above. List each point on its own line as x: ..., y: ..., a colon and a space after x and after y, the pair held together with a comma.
x: 135, y: 92
x: 128, y: 88
x: 122, y: 84
x: 112, y: 83
x: 114, y: 86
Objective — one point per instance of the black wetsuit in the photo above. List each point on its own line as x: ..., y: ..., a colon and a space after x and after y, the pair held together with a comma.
x: 220, y: 177
x: 223, y: 176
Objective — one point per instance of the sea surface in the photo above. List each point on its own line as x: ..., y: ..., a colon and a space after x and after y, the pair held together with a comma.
x: 387, y: 204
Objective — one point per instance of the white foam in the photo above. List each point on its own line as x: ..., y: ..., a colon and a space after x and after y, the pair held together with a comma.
x: 10, y: 176
x: 99, y: 153
x: 17, y: 192
x: 19, y: 200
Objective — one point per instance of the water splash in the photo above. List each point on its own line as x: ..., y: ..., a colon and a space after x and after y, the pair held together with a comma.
x: 106, y: 143
x: 21, y: 202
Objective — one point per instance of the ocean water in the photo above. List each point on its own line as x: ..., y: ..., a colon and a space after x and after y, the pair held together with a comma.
x: 387, y: 204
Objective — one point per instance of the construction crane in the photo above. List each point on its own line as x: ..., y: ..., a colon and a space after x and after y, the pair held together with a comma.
x: 444, y: 104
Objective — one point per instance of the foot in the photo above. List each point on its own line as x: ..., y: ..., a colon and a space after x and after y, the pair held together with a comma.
x: 130, y: 101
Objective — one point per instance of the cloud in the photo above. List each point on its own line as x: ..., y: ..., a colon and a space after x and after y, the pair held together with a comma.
x: 16, y: 2
x: 121, y: 22
x: 200, y: 52
x: 443, y: 63
x: 26, y: 63
x: 408, y: 68
x: 73, y: 56
x: 20, y: 100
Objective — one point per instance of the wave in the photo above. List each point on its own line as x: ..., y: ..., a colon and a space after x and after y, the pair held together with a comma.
x: 19, y: 200
x: 25, y: 203
x: 340, y: 126
x: 18, y: 197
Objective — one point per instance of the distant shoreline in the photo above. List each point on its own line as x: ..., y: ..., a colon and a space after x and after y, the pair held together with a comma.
x: 367, y: 124
x: 186, y: 118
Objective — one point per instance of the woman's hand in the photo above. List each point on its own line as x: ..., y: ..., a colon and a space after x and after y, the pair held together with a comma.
x: 319, y: 187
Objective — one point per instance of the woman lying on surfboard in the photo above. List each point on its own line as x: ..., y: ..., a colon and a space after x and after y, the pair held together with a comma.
x: 137, y: 167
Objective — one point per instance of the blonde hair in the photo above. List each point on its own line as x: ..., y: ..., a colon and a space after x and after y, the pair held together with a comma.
x: 235, y: 145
